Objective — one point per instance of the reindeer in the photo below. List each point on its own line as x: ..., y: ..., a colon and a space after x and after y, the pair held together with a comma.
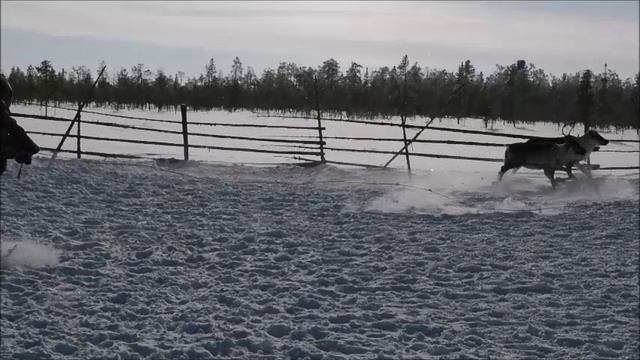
x: 546, y: 155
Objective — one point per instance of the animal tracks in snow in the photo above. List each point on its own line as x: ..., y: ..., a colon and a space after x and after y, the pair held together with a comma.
x: 286, y: 262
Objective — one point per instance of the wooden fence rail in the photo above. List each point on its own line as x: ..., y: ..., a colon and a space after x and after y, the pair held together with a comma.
x: 95, y: 153
x: 54, y: 118
x: 418, y: 127
x: 132, y: 127
x: 424, y: 141
x: 164, y: 143
x: 315, y: 128
x: 442, y: 156
x: 178, y: 122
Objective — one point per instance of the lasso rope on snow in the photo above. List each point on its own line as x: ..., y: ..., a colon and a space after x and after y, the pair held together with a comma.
x: 9, y: 252
x: 539, y: 208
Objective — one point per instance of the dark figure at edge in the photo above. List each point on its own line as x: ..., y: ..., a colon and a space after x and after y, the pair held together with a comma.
x: 14, y: 141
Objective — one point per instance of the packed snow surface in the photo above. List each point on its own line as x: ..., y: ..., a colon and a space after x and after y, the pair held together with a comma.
x: 138, y: 260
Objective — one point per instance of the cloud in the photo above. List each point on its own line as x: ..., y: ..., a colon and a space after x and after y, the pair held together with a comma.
x: 555, y: 36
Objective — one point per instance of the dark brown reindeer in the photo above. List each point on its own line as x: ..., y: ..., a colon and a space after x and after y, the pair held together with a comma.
x: 540, y: 154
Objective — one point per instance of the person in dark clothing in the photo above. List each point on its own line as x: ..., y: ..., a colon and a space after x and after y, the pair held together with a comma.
x: 14, y: 141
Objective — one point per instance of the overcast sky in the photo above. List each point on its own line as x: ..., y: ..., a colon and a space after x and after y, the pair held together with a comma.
x: 559, y: 37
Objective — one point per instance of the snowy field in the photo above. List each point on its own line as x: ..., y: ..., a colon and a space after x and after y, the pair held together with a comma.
x: 106, y: 259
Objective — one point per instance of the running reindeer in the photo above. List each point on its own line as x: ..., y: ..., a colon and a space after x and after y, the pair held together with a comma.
x: 14, y: 141
x: 551, y: 154
x: 546, y: 155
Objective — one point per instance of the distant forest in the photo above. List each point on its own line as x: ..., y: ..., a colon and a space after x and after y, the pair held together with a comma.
x: 518, y: 92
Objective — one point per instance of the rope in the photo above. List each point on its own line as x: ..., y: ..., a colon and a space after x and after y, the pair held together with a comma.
x: 619, y: 151
x: 166, y: 170
x: 539, y: 208
x: 9, y: 252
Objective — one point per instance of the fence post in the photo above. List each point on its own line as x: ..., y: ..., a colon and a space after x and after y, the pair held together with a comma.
x: 406, y: 143
x: 403, y: 116
x: 315, y: 87
x: 185, y: 133
x: 78, y: 151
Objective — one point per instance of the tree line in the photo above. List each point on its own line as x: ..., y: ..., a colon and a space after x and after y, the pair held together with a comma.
x: 519, y: 92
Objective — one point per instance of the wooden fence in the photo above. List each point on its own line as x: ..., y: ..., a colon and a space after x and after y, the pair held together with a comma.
x: 306, y: 148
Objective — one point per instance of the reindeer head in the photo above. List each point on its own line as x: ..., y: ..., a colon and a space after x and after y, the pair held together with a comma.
x: 596, y: 138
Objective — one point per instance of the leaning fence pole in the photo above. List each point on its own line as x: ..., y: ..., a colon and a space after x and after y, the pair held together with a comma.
x: 315, y: 88
x: 76, y: 118
x: 78, y: 151
x: 185, y: 133
x: 404, y: 122
x: 407, y: 144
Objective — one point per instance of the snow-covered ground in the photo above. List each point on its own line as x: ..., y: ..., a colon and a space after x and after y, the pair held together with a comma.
x: 106, y: 259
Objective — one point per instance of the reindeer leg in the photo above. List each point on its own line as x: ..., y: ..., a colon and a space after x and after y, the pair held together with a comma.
x: 586, y: 169
x: 549, y: 174
x: 506, y: 167
x: 501, y: 173
x: 568, y: 169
